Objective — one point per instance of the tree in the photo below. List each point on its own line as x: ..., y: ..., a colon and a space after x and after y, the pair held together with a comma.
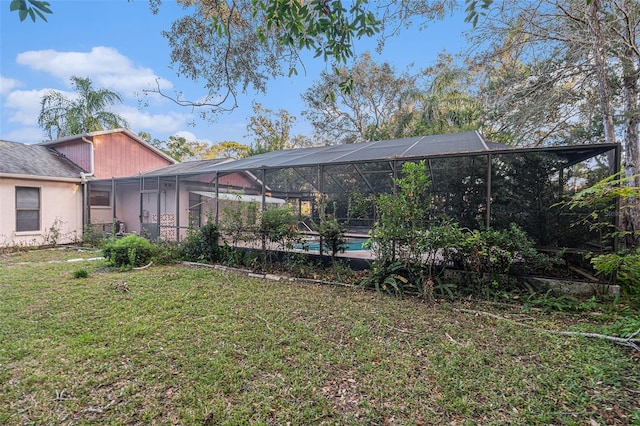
x: 177, y: 147
x: 371, y: 109
x: 180, y: 149
x: 32, y: 9
x: 88, y: 112
x: 567, y: 65
x: 447, y: 105
x: 380, y: 104
x: 228, y: 149
x: 271, y: 131
x: 237, y: 45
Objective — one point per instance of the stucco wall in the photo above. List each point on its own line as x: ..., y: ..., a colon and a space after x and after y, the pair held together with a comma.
x: 60, y: 213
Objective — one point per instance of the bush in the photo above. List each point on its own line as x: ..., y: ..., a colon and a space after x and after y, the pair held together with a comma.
x: 80, y: 273
x: 332, y: 233
x: 167, y: 252
x: 278, y: 225
x: 203, y: 245
x: 129, y: 252
x: 622, y: 267
x: 92, y: 236
x: 489, y: 253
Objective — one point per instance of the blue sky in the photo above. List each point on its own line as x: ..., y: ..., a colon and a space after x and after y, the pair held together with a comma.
x: 118, y: 44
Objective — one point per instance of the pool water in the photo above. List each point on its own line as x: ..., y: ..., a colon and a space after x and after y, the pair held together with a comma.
x: 353, y: 245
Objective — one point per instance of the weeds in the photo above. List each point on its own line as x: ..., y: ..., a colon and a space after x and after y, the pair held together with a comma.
x: 80, y: 273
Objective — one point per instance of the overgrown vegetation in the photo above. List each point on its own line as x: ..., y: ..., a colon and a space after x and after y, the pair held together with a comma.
x: 278, y: 226
x: 413, y: 249
x: 331, y: 232
x: 622, y: 266
x: 203, y: 245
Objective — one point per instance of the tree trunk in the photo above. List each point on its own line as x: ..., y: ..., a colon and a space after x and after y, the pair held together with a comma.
x: 600, y: 64
x: 630, y: 72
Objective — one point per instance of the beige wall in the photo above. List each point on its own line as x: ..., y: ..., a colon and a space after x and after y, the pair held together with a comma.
x: 60, y: 209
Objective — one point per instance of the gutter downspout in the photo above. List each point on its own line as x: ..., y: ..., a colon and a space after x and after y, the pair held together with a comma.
x: 85, y: 190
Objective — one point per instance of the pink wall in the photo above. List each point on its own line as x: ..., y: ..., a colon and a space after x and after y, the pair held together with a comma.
x: 118, y: 155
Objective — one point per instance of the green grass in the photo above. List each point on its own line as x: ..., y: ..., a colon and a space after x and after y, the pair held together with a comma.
x: 178, y: 345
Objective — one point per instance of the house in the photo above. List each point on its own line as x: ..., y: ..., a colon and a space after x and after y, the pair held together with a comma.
x: 50, y: 192
x: 40, y: 196
x: 167, y: 202
x: 44, y: 196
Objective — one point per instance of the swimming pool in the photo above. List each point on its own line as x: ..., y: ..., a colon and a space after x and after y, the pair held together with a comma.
x: 351, y: 245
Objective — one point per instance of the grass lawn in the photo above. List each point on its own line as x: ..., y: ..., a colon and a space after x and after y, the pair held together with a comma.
x: 184, y: 345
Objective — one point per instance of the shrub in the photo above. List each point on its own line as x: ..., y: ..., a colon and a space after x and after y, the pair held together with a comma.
x: 203, y: 245
x: 622, y: 267
x: 80, y: 273
x: 278, y: 225
x: 489, y: 252
x: 128, y: 252
x: 167, y: 252
x: 240, y: 221
x: 92, y: 236
x: 403, y: 217
x: 331, y: 231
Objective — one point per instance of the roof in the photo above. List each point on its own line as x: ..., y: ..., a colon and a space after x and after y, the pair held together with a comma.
x: 36, y: 160
x: 186, y: 168
x: 433, y: 146
x: 106, y: 132
x: 406, y: 148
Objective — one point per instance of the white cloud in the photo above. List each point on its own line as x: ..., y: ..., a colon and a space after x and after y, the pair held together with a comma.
x: 152, y: 123
x: 188, y: 136
x: 104, y: 65
x: 24, y: 106
x: 7, y: 85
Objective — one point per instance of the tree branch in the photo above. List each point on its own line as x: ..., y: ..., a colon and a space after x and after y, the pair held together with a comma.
x: 216, y: 106
x: 630, y: 341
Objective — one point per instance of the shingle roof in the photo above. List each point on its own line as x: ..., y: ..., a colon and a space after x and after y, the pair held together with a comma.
x: 35, y: 160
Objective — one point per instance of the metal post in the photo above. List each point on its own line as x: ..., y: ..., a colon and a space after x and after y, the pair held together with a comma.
x: 321, y: 187
x: 263, y: 208
x: 114, y: 215
x: 158, y: 205
x: 140, y: 217
x: 177, y: 209
x: 217, y: 186
x: 489, y: 183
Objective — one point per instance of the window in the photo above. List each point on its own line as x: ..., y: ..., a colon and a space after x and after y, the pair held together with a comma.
x: 195, y: 203
x: 100, y: 198
x: 27, y: 209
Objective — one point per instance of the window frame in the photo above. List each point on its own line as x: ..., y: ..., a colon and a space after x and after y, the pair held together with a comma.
x: 108, y: 198
x: 20, y: 223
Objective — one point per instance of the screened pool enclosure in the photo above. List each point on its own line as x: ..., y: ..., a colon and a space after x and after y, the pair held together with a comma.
x: 473, y: 181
